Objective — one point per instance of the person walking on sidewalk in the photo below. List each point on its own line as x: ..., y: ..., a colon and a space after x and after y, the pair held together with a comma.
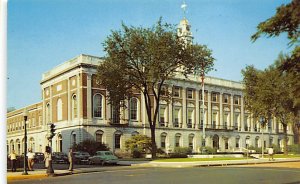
x: 47, y: 159
x: 30, y: 156
x: 13, y: 159
x: 271, y: 153
x: 71, y: 159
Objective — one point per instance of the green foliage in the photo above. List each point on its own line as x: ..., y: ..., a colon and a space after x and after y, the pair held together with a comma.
x: 141, y: 143
x: 286, y: 19
x: 181, y: 152
x: 295, y: 148
x: 210, y: 150
x: 90, y: 146
x: 276, y: 148
x: 144, y: 59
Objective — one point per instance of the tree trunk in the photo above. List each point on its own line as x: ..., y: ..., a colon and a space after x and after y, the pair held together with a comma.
x: 154, y: 148
x: 285, y: 150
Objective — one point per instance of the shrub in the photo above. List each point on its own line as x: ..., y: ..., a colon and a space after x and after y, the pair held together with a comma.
x: 295, y: 148
x: 210, y: 150
x: 181, y: 152
x: 136, y: 153
x: 276, y: 148
x: 141, y: 143
x: 122, y: 154
x: 90, y: 146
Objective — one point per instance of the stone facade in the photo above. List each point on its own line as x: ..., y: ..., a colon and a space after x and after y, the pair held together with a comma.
x: 76, y: 104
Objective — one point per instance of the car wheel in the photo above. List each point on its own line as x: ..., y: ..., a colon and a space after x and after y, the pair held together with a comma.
x: 90, y: 162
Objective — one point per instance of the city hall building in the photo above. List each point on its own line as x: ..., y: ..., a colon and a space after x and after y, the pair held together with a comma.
x: 73, y: 100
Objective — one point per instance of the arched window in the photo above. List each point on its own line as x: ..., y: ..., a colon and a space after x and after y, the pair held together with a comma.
x: 59, y: 140
x: 99, y: 136
x: 73, y: 138
x: 18, y: 151
x: 48, y: 113
x: 32, y: 144
x: 237, y: 142
x: 134, y: 133
x: 118, y: 140
x: 191, y: 141
x: 177, y: 140
x: 163, y: 138
x: 97, y: 106
x: 59, y: 109
x: 74, y: 107
x: 12, y: 146
x: 247, y: 141
x: 133, y: 108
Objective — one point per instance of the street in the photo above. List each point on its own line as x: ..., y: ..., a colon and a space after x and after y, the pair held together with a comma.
x: 230, y: 175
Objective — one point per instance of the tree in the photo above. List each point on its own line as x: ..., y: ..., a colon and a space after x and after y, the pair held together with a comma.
x: 140, y: 143
x: 287, y: 20
x: 266, y: 96
x: 90, y: 146
x: 143, y: 60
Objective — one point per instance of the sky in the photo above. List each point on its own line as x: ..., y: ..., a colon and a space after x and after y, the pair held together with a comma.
x: 42, y: 34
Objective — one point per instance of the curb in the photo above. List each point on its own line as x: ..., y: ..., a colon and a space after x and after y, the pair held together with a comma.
x: 35, y: 176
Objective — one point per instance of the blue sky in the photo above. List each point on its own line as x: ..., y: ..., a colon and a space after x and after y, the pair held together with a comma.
x: 44, y: 33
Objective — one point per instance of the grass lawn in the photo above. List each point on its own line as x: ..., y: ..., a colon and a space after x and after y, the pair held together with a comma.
x: 196, y: 159
x: 286, y: 156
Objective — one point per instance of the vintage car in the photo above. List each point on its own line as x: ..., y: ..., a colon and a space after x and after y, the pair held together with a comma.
x: 103, y: 157
x: 81, y: 157
x: 59, y: 158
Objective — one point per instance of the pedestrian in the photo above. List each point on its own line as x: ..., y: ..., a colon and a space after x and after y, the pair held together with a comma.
x: 271, y: 153
x: 30, y: 157
x: 13, y: 159
x: 71, y: 159
x: 47, y: 159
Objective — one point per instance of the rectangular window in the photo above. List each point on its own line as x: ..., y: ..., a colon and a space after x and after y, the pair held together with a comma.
x: 237, y: 142
x: 117, y: 141
x: 176, y: 92
x: 214, y: 97
x: 226, y: 99
x: 236, y: 100
x: 189, y: 93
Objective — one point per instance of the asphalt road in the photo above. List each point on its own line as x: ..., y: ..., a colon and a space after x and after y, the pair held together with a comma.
x: 211, y: 175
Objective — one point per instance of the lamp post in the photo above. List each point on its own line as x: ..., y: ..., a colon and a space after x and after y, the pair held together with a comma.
x: 262, y: 122
x: 25, y: 115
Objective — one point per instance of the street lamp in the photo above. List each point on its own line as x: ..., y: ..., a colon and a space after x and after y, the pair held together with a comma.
x: 262, y: 122
x: 25, y: 115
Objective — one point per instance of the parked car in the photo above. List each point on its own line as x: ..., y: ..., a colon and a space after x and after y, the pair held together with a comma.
x: 81, y: 157
x: 103, y: 157
x: 39, y: 157
x: 59, y: 157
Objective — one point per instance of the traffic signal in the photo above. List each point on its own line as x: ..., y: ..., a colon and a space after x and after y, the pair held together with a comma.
x: 52, y: 130
x: 48, y: 149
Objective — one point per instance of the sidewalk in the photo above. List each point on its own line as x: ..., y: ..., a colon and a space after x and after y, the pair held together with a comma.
x: 41, y: 173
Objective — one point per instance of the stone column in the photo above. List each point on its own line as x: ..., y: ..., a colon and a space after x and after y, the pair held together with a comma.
x: 69, y: 101
x: 170, y: 108
x: 209, y: 109
x: 51, y: 105
x: 197, y: 122
x: 89, y: 97
x: 251, y: 123
x: 43, y: 109
x: 78, y: 97
x: 184, y: 108
x: 242, y: 114
x: 221, y: 111
x: 231, y: 111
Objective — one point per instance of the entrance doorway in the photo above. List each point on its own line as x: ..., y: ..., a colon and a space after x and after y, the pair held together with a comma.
x: 216, y: 141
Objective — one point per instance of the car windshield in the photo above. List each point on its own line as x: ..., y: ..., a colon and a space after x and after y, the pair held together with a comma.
x: 108, y: 153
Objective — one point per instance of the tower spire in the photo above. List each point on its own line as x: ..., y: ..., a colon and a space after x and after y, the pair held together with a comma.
x: 184, y: 29
x: 183, y: 6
